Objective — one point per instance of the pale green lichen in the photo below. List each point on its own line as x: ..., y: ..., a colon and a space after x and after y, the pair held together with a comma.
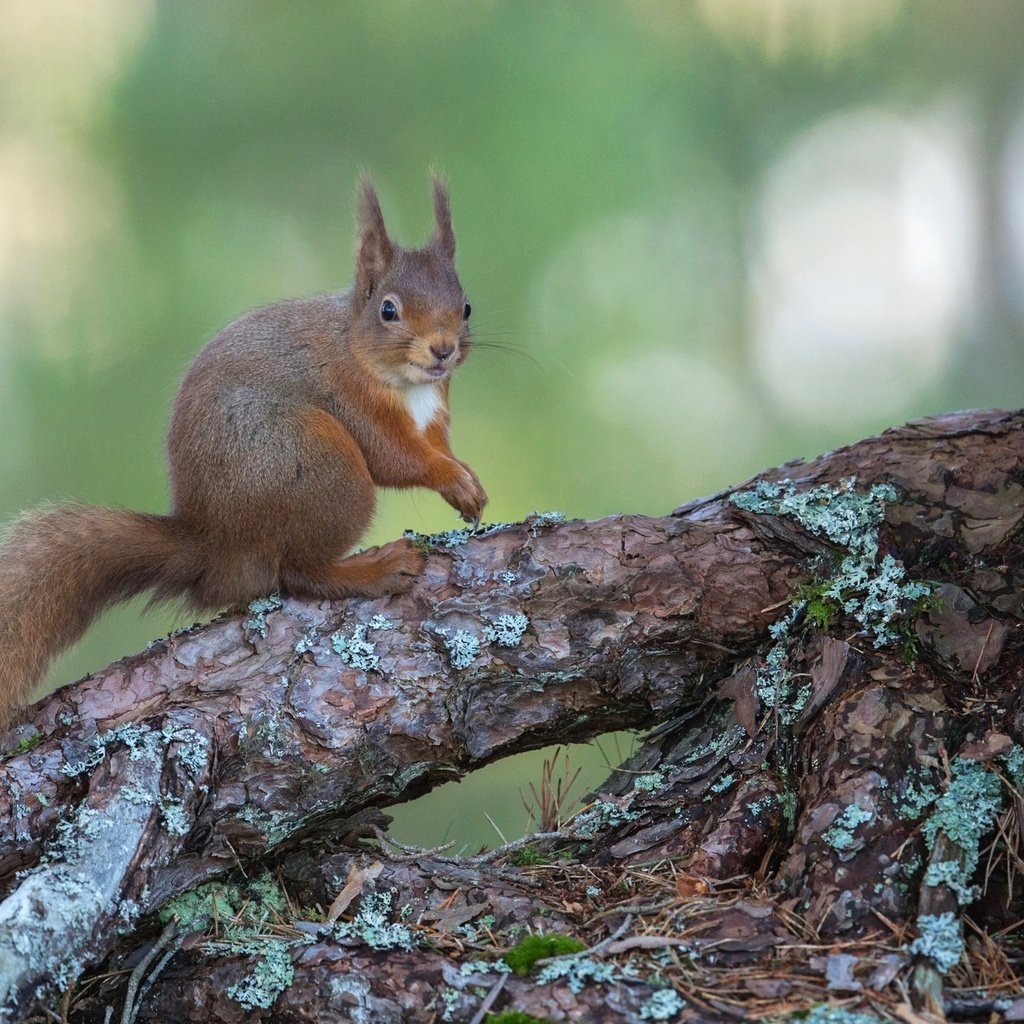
x: 540, y: 519
x: 722, y: 784
x: 440, y: 541
x: 272, y: 974
x: 964, y: 813
x: 600, y: 816
x: 578, y: 972
x: 258, y: 612
x: 462, y: 647
x: 200, y: 906
x: 662, y: 1005
x: 506, y: 630
x: 372, y: 925
x: 471, y: 968
x: 839, y: 835
x: 762, y: 804
x: 778, y: 687
x: 268, y: 734
x: 649, y: 782
x: 951, y: 874
x: 450, y: 999
x: 144, y: 743
x: 824, y: 1014
x: 916, y: 797
x: 242, y: 911
x: 71, y: 835
x: 940, y: 938
x: 355, y: 649
x: 175, y: 819
x: 308, y: 641
x: 871, y: 589
x: 967, y: 809
x: 1014, y: 762
x: 275, y: 825
x: 723, y: 738
x: 480, y: 931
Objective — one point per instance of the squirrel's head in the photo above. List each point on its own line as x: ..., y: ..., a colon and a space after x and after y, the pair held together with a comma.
x: 410, y: 314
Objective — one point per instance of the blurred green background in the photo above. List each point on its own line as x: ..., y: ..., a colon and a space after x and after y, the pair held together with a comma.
x: 717, y: 235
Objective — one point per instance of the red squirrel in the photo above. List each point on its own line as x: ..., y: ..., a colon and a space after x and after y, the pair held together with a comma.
x: 283, y: 428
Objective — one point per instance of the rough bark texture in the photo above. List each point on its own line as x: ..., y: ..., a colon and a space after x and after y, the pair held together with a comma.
x: 780, y: 838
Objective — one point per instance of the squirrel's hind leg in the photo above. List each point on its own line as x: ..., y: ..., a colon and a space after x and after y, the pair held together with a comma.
x: 389, y: 569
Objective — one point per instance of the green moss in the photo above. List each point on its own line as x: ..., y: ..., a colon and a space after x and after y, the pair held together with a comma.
x: 820, y: 611
x: 515, y: 1017
x: 532, y: 948
x: 25, y: 745
x: 527, y: 855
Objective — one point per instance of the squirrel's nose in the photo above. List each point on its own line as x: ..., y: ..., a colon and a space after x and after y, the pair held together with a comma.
x: 441, y: 350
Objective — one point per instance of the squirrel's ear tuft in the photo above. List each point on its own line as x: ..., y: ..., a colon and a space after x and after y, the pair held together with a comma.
x: 443, y: 237
x: 375, y: 247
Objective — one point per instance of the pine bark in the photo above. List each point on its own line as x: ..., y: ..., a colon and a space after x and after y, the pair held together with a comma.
x: 272, y: 740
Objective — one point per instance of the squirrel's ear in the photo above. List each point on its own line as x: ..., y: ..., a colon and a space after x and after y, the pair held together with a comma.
x: 443, y: 237
x: 375, y: 248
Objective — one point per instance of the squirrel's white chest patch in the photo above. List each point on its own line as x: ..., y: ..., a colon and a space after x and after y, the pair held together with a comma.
x: 424, y: 403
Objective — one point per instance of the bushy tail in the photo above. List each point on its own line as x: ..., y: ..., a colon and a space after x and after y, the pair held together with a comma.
x: 60, y: 567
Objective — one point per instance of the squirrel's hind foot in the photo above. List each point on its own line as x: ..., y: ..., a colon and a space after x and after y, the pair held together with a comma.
x: 389, y: 569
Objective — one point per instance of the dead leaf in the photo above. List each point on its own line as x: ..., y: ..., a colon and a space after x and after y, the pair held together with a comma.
x: 357, y: 878
x: 689, y: 886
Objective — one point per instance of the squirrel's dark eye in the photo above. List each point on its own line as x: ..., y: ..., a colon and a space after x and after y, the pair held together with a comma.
x: 466, y: 310
x: 388, y: 310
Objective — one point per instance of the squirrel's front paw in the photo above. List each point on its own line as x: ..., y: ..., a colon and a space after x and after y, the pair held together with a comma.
x: 465, y: 494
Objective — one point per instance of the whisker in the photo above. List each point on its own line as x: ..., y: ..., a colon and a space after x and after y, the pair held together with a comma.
x: 509, y: 350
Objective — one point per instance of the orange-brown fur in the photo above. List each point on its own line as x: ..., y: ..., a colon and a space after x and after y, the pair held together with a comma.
x: 284, y: 426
